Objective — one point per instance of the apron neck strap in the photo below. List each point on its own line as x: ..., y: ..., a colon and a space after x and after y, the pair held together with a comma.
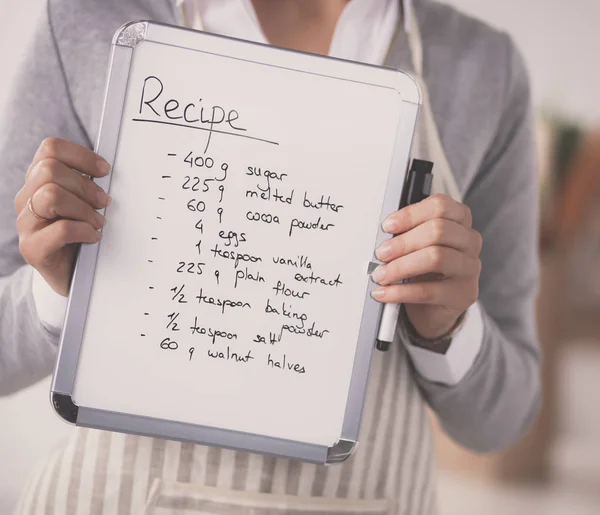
x: 427, y: 144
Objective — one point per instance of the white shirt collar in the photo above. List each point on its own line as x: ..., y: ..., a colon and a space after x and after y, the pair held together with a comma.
x: 363, y: 33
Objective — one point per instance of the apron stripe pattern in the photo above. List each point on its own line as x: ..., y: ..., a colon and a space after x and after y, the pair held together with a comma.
x: 102, y: 473
x: 130, y: 449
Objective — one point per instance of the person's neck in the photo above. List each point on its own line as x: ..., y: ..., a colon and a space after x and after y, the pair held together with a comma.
x: 306, y: 25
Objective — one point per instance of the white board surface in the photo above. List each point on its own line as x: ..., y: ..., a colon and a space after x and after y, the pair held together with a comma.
x: 264, y: 227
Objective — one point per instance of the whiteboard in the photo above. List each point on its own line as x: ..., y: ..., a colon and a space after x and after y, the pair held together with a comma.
x: 230, y: 291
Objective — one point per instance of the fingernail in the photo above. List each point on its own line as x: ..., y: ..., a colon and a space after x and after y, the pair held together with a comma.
x: 378, y: 274
x: 378, y: 293
x: 104, y: 198
x: 389, y: 225
x: 103, y: 167
x: 100, y: 220
x: 98, y: 235
x: 383, y: 251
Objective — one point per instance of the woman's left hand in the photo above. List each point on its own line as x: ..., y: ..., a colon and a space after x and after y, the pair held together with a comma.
x: 438, y: 250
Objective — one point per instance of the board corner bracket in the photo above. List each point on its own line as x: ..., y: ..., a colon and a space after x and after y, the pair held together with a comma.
x: 64, y: 406
x: 340, y: 451
x: 131, y: 34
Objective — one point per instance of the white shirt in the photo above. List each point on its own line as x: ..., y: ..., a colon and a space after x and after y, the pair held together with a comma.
x: 363, y: 33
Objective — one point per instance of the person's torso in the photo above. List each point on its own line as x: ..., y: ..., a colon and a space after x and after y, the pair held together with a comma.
x: 105, y: 473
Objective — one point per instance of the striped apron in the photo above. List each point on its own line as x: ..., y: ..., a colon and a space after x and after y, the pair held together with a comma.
x: 391, y: 472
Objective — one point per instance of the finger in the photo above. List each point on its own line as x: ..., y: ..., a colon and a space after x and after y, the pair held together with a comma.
x: 52, y: 201
x: 436, y: 206
x: 52, y: 171
x: 437, y: 231
x: 73, y: 155
x: 39, y: 246
x: 440, y: 260
x: 452, y: 293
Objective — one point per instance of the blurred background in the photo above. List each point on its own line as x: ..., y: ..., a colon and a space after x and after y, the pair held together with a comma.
x: 556, y: 469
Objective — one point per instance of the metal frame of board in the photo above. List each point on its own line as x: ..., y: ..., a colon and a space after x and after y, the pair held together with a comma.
x: 123, y: 49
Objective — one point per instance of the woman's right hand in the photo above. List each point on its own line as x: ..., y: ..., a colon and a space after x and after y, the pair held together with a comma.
x: 65, y: 202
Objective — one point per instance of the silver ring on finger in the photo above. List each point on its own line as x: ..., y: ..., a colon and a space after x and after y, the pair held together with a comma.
x: 86, y: 176
x: 33, y: 213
